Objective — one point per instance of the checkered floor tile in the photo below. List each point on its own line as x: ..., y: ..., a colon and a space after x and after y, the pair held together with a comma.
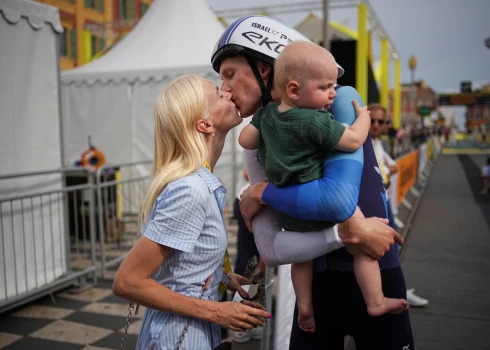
x: 90, y: 320
x: 93, y: 319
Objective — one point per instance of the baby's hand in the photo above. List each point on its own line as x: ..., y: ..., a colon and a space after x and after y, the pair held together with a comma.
x: 360, y: 110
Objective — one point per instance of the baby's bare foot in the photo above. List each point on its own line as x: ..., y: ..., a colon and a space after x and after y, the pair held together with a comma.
x: 388, y: 306
x: 306, y: 319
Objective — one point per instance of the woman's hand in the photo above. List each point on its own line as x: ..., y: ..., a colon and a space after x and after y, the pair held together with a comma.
x: 235, y: 285
x: 251, y: 202
x: 241, y: 316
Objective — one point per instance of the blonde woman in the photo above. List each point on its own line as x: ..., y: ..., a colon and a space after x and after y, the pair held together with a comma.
x: 184, y: 235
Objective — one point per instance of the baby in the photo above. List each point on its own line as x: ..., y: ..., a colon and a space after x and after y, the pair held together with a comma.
x: 293, y: 138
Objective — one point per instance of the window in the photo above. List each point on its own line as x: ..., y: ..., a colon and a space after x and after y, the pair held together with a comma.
x: 97, y: 44
x: 64, y: 43
x: 73, y: 44
x: 126, y: 9
x: 90, y: 4
x: 486, y: 113
x: 95, y: 4
x: 144, y: 8
x: 404, y: 103
x: 93, y: 44
x: 476, y: 113
x: 101, y: 44
x: 123, y: 9
x: 68, y: 42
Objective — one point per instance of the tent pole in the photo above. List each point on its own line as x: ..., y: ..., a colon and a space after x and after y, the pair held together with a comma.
x: 326, y: 42
x: 65, y: 233
x: 60, y: 114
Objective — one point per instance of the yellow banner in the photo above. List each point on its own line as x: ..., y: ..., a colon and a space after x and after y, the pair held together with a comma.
x: 407, y: 174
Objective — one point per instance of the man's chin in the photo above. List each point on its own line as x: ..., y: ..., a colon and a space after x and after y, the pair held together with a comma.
x: 250, y: 111
x: 244, y: 114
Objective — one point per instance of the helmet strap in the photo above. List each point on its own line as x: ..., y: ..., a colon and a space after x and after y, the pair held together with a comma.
x: 265, y: 90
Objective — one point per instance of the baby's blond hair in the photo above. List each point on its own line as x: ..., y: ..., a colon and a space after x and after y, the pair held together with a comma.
x: 298, y: 61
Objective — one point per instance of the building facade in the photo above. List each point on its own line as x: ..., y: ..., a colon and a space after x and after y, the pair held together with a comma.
x: 476, y: 116
x: 93, y: 25
x: 425, y: 99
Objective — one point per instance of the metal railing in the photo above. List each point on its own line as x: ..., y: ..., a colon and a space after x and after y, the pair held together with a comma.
x: 39, y: 255
x: 121, y: 198
x: 60, y: 227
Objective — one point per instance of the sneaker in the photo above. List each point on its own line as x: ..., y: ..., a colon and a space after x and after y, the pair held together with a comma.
x: 257, y: 333
x: 414, y: 300
x: 243, y: 337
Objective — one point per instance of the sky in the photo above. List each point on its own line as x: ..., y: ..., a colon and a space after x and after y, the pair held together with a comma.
x: 446, y: 36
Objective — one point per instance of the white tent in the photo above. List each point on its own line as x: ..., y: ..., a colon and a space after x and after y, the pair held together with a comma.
x: 111, y: 99
x: 29, y: 141
x: 312, y: 27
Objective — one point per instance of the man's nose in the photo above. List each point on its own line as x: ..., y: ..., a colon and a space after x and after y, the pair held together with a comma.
x: 226, y: 93
x: 225, y: 87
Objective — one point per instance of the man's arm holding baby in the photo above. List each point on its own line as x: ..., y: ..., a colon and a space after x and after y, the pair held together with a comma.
x: 372, y: 235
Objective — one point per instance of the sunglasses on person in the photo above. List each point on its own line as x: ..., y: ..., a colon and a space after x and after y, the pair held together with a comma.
x: 380, y: 121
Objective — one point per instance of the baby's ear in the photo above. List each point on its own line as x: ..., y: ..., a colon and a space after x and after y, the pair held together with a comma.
x: 292, y: 90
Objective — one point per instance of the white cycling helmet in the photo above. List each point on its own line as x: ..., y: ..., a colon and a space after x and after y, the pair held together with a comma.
x: 256, y: 37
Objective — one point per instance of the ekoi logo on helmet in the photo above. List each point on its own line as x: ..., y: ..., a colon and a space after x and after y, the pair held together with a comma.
x: 257, y: 36
x: 260, y: 40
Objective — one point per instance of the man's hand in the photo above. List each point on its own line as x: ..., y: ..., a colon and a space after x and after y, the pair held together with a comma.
x: 372, y: 235
x: 251, y: 202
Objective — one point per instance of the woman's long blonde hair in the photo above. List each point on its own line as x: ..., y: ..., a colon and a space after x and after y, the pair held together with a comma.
x: 180, y: 149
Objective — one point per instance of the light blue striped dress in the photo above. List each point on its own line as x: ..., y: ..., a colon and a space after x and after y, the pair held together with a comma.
x: 187, y: 217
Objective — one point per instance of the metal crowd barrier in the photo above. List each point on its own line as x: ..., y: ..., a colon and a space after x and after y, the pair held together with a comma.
x: 65, y: 227
x: 38, y: 254
x: 117, y: 217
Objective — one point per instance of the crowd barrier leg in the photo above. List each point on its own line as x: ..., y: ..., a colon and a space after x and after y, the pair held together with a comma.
x: 269, y: 283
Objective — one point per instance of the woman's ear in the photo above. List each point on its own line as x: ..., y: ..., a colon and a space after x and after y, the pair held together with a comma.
x: 292, y: 89
x: 205, y: 126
